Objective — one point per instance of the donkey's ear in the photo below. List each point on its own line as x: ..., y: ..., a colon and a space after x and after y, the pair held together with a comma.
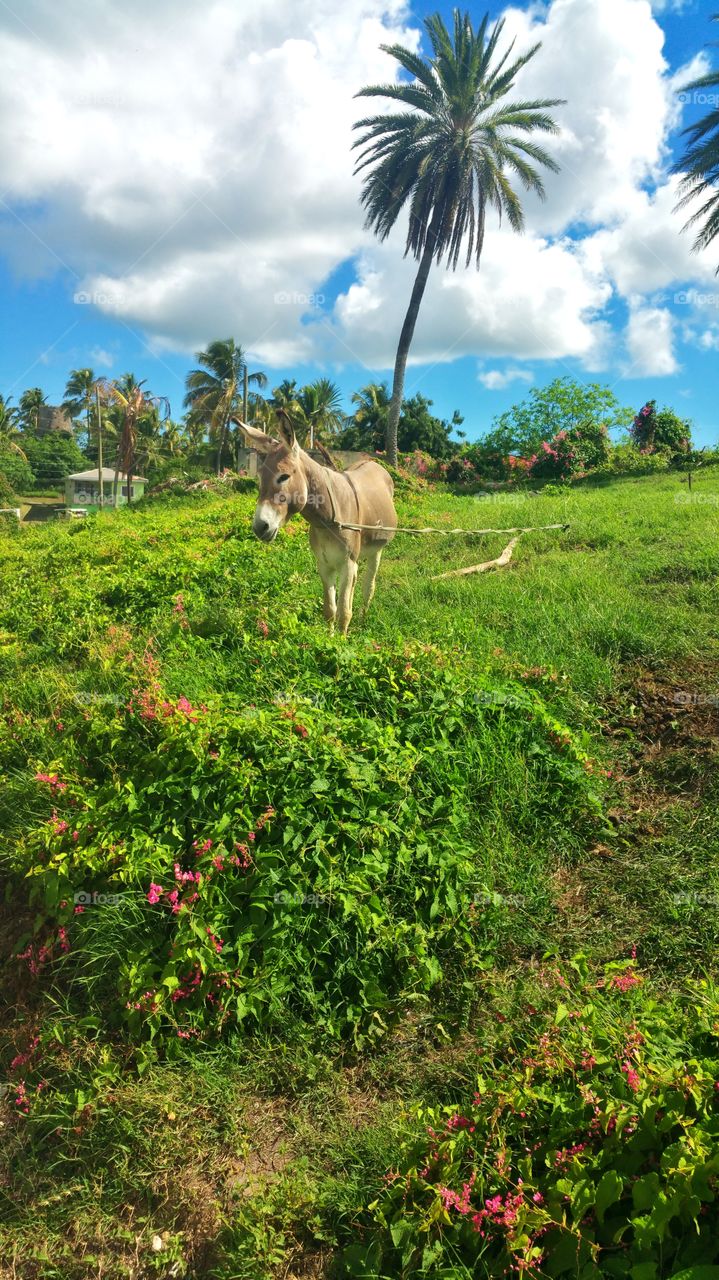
x: 287, y: 431
x: 255, y: 438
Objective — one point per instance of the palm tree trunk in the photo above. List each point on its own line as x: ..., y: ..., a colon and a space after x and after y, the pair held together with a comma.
x: 221, y: 446
x: 405, y: 341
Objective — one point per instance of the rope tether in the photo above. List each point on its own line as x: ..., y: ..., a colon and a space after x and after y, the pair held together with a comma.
x: 385, y: 528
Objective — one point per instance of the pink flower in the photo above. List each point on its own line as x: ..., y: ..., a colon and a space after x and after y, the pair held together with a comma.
x: 625, y: 981
x: 632, y: 1077
x: 155, y: 893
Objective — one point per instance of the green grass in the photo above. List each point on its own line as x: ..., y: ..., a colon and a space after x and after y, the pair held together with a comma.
x: 448, y: 803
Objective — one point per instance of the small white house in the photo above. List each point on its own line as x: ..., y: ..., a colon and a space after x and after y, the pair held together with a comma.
x: 82, y: 489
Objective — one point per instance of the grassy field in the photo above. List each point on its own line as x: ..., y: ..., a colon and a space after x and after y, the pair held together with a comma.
x: 395, y: 956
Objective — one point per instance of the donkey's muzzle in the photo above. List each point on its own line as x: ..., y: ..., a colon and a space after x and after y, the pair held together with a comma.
x: 264, y: 531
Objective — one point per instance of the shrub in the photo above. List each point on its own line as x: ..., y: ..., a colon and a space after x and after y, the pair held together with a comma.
x: 626, y: 459
x: 283, y: 862
x: 589, y: 1148
x: 52, y: 458
x: 17, y: 471
x: 8, y: 497
x: 665, y: 430
x: 571, y: 453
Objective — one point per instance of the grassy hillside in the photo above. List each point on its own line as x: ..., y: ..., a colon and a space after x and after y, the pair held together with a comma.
x: 381, y: 957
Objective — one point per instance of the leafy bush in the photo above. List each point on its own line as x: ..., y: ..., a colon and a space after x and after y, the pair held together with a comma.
x: 665, y: 430
x: 8, y: 497
x: 52, y: 458
x: 626, y: 459
x: 589, y: 1148
x: 17, y: 471
x: 571, y: 453
x: 563, y: 405
x: 281, y: 861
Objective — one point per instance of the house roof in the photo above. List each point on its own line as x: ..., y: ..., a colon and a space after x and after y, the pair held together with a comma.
x: 108, y: 473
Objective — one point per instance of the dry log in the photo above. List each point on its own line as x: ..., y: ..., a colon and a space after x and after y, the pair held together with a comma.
x: 499, y: 563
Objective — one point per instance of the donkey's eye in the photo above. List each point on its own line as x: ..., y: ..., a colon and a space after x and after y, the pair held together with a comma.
x: 281, y: 479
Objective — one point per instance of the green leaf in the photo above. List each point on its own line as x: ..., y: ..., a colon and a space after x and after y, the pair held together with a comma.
x: 696, y: 1273
x: 609, y: 1189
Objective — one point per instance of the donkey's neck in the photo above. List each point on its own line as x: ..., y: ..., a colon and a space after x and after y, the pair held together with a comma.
x: 321, y: 506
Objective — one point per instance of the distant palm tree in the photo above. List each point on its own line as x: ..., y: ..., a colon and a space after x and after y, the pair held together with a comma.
x: 193, y: 434
x: 446, y: 158
x: 367, y: 427
x: 700, y: 165
x: 319, y: 410
x: 80, y: 396
x: 214, y: 392
x: 9, y: 431
x: 136, y: 407
x: 171, y: 439
x: 372, y: 402
x: 31, y: 402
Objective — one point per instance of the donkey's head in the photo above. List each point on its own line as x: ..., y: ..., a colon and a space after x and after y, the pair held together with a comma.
x: 282, y: 479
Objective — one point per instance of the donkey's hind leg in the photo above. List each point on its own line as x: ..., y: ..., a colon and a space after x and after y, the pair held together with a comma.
x: 373, y: 555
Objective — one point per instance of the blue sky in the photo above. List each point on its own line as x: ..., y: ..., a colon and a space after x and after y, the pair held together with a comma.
x: 123, y: 195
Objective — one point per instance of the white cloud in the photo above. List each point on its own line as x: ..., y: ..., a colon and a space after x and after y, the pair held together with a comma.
x: 650, y: 342
x: 101, y: 357
x: 193, y: 167
x: 498, y: 379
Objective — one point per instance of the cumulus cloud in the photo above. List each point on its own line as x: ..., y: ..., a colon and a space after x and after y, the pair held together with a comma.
x: 650, y: 342
x: 190, y: 170
x: 498, y: 379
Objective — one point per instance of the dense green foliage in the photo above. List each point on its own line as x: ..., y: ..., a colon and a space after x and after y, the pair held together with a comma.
x: 533, y: 772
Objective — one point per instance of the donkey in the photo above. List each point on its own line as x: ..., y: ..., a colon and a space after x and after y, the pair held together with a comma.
x: 291, y: 482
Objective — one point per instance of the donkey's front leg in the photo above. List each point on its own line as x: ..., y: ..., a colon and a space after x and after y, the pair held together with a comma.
x: 348, y: 580
x: 328, y: 576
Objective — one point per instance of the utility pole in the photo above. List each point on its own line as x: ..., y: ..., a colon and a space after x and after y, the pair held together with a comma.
x: 244, y: 395
x: 99, y: 443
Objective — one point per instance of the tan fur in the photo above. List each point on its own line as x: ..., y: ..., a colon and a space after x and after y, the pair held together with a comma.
x: 326, y: 499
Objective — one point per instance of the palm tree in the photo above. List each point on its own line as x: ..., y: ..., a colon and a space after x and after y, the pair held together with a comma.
x: 31, y: 402
x: 214, y: 392
x: 136, y: 407
x: 446, y: 158
x: 319, y: 409
x: 700, y: 166
x: 367, y: 427
x: 80, y: 395
x: 172, y: 438
x: 193, y: 434
x: 9, y: 430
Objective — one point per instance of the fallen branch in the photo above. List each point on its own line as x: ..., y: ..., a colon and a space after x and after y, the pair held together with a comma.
x: 499, y: 563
